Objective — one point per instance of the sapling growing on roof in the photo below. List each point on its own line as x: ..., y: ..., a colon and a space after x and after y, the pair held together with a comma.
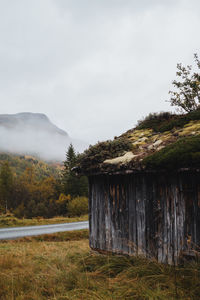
x: 186, y: 95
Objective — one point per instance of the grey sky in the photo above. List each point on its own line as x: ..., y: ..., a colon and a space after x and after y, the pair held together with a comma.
x: 93, y: 66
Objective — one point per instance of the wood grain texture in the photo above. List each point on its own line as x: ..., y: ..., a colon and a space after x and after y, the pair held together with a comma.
x: 153, y: 214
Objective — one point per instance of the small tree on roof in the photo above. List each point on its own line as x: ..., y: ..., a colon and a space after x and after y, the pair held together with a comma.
x: 187, y: 94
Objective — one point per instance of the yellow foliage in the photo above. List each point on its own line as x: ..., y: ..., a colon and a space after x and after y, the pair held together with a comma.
x: 63, y: 198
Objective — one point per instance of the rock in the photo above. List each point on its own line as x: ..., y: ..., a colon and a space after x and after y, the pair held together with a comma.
x: 143, y: 139
x: 127, y: 157
x: 157, y: 143
x: 160, y: 148
x: 150, y: 147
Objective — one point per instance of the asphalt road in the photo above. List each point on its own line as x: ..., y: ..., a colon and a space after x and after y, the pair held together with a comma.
x: 17, y: 232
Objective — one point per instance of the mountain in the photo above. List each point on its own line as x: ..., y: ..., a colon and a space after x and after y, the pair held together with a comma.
x: 34, y: 134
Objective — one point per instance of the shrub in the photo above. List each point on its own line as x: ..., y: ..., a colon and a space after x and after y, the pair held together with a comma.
x: 165, y: 121
x: 96, y: 154
x: 78, y: 206
x: 155, y: 120
x: 19, y: 211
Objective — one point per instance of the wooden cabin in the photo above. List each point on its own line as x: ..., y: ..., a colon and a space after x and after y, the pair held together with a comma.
x: 144, y: 193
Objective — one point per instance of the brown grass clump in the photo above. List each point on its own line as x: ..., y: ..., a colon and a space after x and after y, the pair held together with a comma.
x: 47, y: 269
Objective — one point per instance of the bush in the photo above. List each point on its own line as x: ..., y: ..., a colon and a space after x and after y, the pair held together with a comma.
x: 165, y: 121
x: 19, y: 211
x: 155, y: 120
x: 78, y: 206
x: 95, y: 155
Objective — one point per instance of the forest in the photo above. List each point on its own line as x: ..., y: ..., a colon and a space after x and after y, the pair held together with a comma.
x: 32, y: 188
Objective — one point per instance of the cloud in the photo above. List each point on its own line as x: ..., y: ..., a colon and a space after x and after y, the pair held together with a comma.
x: 94, y: 67
x: 34, y: 134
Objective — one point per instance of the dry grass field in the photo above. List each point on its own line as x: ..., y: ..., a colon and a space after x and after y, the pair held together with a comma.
x: 61, y: 266
x: 11, y: 221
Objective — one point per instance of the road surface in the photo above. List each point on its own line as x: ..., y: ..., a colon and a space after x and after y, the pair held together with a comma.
x: 17, y: 232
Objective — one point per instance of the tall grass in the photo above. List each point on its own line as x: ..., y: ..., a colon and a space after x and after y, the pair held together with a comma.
x: 50, y: 267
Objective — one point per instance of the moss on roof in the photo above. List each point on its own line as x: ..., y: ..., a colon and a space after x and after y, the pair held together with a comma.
x: 185, y: 152
x: 145, y: 147
x: 165, y: 121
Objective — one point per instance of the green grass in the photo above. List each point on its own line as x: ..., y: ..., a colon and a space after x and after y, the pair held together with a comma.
x: 183, y: 153
x: 165, y: 121
x: 10, y: 221
x: 67, y: 269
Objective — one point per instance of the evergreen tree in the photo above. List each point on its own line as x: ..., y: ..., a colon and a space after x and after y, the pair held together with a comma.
x: 71, y: 158
x: 6, y: 186
x: 73, y: 185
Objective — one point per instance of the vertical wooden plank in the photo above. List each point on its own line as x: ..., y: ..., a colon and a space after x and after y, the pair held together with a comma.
x: 107, y: 223
x: 159, y: 219
x: 175, y: 237
x: 195, y: 208
x: 90, y: 208
x: 163, y: 220
x: 198, y: 211
x: 148, y: 214
x: 118, y: 236
x: 140, y: 215
x: 189, y: 212
x: 131, y: 198
x: 143, y: 217
x: 153, y: 219
x: 114, y: 215
x: 180, y: 218
x: 165, y: 224
x: 103, y: 198
x: 124, y: 213
x: 157, y: 214
x: 93, y: 224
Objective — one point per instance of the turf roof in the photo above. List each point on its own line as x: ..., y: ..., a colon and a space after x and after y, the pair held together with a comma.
x: 160, y: 142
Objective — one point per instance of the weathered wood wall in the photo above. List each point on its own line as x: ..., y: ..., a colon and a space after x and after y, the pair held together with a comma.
x: 155, y: 214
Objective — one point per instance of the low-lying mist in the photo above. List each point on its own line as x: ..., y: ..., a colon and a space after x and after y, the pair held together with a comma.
x: 34, y: 134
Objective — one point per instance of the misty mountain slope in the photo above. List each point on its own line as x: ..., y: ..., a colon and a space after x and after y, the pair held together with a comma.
x: 19, y: 163
x: 35, y: 134
x: 27, y: 121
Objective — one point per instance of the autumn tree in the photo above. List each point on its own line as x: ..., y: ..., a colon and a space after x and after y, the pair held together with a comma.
x: 6, y: 186
x: 186, y: 95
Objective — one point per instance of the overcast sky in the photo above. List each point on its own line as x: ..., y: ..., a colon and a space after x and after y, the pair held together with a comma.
x: 94, y: 67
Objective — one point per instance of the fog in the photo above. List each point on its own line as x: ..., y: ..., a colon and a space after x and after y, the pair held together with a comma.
x: 94, y: 67
x: 34, y: 134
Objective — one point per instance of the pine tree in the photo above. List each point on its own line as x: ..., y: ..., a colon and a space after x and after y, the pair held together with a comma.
x: 71, y: 159
x: 73, y: 185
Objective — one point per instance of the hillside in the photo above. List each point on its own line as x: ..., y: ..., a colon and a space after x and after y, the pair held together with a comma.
x: 34, y: 134
x: 160, y: 141
x: 19, y: 164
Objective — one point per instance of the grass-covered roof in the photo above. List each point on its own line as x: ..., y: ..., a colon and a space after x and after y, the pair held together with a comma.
x: 160, y: 142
